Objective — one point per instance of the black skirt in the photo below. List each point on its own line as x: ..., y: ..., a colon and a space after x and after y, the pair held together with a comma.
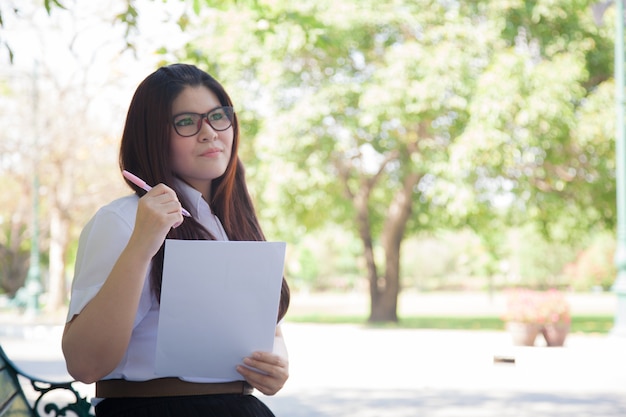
x: 222, y: 405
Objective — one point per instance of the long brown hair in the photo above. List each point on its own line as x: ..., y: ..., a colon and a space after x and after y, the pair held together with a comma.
x: 144, y: 151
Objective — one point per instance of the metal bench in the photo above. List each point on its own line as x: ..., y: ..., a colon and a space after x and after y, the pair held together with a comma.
x: 14, y: 401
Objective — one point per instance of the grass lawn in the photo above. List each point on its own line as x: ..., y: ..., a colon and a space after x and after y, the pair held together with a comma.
x: 580, y: 324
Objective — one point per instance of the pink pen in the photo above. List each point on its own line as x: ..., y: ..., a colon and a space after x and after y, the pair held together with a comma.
x: 142, y: 184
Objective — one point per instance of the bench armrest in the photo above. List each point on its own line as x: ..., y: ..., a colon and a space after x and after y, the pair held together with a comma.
x: 80, y: 406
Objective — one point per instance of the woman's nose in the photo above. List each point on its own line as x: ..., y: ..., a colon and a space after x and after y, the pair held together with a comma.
x: 206, y: 131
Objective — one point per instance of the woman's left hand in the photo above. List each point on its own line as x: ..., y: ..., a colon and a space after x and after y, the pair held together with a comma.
x: 274, y: 371
x: 270, y: 370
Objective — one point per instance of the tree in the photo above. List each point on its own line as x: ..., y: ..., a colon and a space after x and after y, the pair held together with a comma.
x: 397, y: 118
x: 66, y: 136
x: 14, y: 232
x: 541, y: 126
x: 365, y: 99
x: 404, y: 117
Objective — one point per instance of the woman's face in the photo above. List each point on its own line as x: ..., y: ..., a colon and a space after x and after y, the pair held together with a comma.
x: 200, y: 158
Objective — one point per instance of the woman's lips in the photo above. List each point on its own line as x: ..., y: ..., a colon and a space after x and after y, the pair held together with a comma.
x: 211, y: 152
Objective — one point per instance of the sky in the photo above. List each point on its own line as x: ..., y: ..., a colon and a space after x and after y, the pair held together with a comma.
x: 85, y: 45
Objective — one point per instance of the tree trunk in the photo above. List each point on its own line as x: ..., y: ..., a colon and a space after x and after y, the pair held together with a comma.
x: 384, y: 289
x: 14, y: 260
x: 61, y: 198
x: 387, y: 289
x: 365, y: 233
x: 59, y: 236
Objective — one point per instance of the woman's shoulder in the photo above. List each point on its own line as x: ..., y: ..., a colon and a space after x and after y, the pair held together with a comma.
x: 122, y: 205
x: 124, y: 208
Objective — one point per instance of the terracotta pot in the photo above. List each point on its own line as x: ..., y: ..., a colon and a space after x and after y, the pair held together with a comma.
x: 555, y: 334
x: 523, y: 334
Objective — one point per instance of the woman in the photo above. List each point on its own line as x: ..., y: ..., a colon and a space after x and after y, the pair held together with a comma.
x: 182, y: 134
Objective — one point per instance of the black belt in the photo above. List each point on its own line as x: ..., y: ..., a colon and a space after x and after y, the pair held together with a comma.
x: 167, y: 387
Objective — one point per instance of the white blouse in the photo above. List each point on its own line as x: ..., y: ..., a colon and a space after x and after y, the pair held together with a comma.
x: 100, y: 245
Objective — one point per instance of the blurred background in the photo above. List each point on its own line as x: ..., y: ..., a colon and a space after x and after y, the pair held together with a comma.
x: 422, y: 158
x: 398, y: 147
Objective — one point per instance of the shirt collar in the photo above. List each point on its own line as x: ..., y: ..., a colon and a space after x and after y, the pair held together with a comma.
x: 193, y: 196
x: 200, y: 209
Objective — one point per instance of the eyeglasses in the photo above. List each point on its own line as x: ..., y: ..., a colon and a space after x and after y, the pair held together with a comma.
x: 189, y: 124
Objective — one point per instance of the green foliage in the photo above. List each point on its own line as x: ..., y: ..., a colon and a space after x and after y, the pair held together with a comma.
x: 48, y: 4
x: 536, y: 262
x: 502, y: 110
x: 308, y: 268
x: 325, y: 260
x: 594, y: 266
x: 524, y: 257
x: 328, y: 259
x: 130, y: 19
x: 445, y: 261
x: 580, y: 324
x: 531, y: 135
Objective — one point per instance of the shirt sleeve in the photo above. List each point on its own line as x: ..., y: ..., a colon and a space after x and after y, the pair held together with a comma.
x: 100, y: 244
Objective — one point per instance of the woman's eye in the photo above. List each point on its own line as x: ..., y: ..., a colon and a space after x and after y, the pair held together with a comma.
x: 216, y: 116
x: 186, y: 121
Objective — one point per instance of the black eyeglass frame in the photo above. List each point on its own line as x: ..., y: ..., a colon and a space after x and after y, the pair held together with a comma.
x: 228, y: 110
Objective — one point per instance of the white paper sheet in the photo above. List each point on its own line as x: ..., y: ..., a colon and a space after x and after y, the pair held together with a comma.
x: 219, y: 303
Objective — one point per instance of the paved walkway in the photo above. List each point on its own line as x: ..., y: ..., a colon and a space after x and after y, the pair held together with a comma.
x: 345, y: 371
x: 351, y: 371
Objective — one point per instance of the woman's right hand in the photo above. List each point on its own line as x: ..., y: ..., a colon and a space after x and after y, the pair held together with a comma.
x: 159, y: 210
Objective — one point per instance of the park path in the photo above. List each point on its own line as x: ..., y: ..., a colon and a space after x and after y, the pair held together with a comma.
x: 352, y: 370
